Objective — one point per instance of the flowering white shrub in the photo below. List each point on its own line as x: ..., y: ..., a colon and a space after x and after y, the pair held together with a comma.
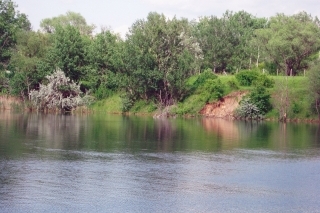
x: 59, y: 93
x: 248, y: 110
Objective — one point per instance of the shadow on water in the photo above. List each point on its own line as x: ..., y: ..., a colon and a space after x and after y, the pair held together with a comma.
x: 109, y: 133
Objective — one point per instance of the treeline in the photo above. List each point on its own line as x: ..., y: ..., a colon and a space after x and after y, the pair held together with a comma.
x: 157, y: 56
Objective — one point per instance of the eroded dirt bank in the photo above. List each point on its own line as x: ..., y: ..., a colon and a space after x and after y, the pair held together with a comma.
x: 225, y: 107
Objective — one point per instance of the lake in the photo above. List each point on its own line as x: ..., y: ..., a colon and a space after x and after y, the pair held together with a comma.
x: 115, y: 163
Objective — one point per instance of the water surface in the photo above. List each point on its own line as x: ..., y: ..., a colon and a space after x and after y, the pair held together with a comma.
x: 113, y: 163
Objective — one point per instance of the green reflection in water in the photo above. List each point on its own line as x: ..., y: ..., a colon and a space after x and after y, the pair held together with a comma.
x: 22, y: 133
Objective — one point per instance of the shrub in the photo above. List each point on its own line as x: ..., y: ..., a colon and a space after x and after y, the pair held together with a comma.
x: 296, y: 108
x: 59, y: 93
x: 261, y: 98
x: 247, y: 77
x: 212, y: 90
x: 264, y: 80
x: 247, y: 109
x: 127, y: 103
x: 233, y: 84
x: 203, y: 77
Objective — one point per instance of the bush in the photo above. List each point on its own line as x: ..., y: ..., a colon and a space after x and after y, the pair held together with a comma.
x: 247, y: 77
x: 248, y: 109
x: 59, y: 93
x: 296, y: 108
x: 212, y: 90
x: 127, y: 103
x: 264, y: 80
x: 261, y: 98
x: 102, y: 92
x: 233, y: 85
x: 203, y: 77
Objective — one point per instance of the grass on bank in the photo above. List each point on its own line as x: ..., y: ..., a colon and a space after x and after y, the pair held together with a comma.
x: 192, y: 104
x: 112, y: 104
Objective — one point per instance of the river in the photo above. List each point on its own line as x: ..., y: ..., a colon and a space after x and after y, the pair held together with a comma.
x: 114, y: 163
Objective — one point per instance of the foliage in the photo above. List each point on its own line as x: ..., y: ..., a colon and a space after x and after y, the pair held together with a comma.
x: 213, y: 89
x: 248, y: 110
x: 314, y: 85
x: 11, y: 21
x: 50, y: 25
x: 261, y: 98
x: 247, y: 77
x: 127, y: 103
x: 254, y: 77
x: 203, y: 77
x: 264, y: 81
x: 69, y: 52
x: 282, y: 98
x: 160, y: 54
x: 290, y: 40
x: 4, y: 82
x: 60, y: 93
x: 30, y: 50
x: 225, y: 41
x: 233, y: 84
x: 104, y: 56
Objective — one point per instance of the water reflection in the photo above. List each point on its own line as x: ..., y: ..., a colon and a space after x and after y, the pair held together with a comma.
x: 110, y: 133
x: 112, y: 163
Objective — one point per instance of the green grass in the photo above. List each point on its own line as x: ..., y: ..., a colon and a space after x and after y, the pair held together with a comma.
x: 111, y: 104
x: 300, y: 97
x: 143, y: 106
x: 192, y: 104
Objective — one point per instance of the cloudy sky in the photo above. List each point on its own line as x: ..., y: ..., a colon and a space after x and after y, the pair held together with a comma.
x: 121, y: 14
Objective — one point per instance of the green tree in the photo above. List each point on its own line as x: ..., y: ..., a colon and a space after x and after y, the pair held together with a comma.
x: 290, y: 40
x: 105, y: 61
x: 314, y: 85
x: 69, y: 52
x: 11, y: 21
x: 160, y: 55
x: 31, y: 48
x: 50, y: 25
x: 261, y: 98
x: 225, y: 41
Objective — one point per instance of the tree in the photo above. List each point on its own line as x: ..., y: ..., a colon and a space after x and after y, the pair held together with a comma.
x: 290, y: 40
x: 69, y: 52
x: 314, y: 85
x: 261, y: 98
x: 104, y: 53
x: 11, y: 21
x: 282, y: 98
x: 160, y: 55
x: 225, y: 41
x: 50, y: 25
x: 30, y: 50
x: 60, y: 93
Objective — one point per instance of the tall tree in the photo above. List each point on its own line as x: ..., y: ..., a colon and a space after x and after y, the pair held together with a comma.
x: 76, y: 20
x: 11, y: 21
x: 225, y: 41
x: 290, y: 40
x: 30, y: 50
x: 314, y: 85
x: 69, y: 52
x: 105, y: 63
x: 160, y: 55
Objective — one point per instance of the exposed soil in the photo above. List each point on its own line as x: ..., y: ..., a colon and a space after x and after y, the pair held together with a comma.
x: 225, y: 107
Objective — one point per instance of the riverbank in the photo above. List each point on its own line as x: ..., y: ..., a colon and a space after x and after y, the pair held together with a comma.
x: 299, y: 109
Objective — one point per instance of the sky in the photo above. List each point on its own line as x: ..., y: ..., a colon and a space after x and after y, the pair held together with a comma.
x: 119, y: 15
